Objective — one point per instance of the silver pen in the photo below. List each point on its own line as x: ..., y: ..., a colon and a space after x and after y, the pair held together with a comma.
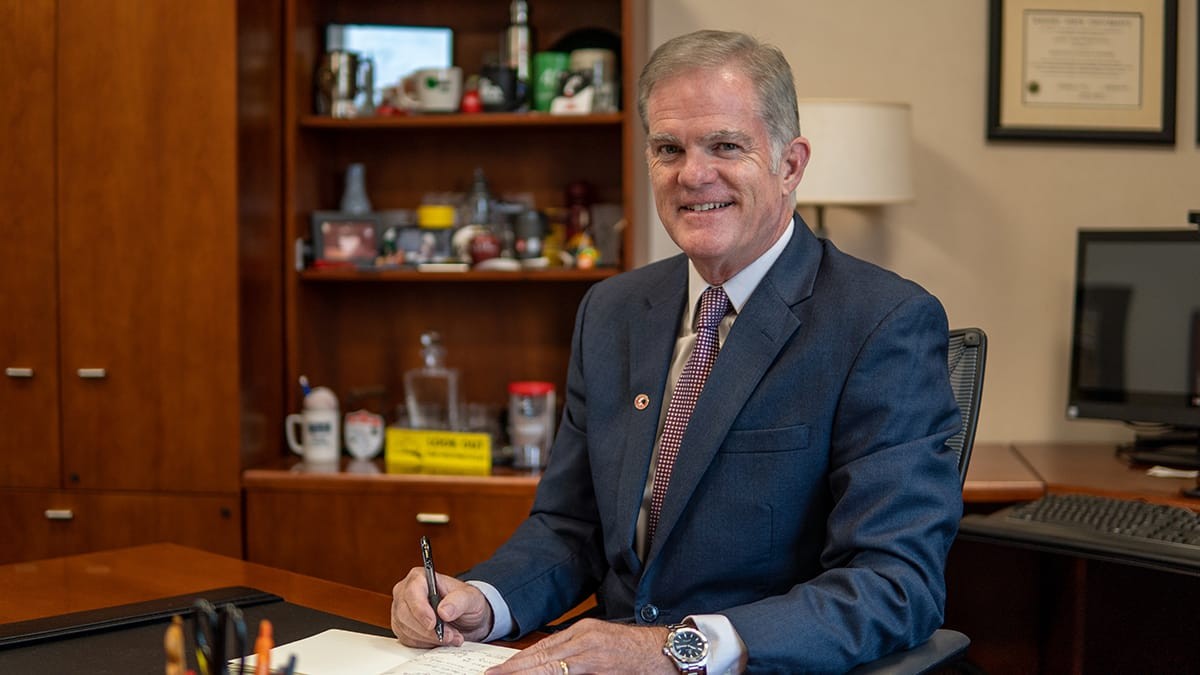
x: 431, y: 581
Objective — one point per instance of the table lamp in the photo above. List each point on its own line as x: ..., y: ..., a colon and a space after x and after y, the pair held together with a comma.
x: 861, y: 154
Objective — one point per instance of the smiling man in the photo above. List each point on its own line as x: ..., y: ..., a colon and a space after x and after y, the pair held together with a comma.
x: 750, y: 472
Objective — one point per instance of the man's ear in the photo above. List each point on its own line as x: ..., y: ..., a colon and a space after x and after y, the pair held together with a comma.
x: 795, y: 158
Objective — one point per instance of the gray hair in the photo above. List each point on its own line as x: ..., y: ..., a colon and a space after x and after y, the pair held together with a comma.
x: 763, y: 63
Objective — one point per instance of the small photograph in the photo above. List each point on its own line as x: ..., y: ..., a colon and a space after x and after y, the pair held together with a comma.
x: 342, y: 237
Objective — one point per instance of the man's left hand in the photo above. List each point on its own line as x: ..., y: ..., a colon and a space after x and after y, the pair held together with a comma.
x: 594, y: 646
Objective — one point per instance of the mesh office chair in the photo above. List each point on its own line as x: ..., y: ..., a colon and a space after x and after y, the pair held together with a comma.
x: 967, y: 353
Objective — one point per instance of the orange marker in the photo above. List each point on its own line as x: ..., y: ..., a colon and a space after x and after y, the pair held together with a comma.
x: 262, y: 648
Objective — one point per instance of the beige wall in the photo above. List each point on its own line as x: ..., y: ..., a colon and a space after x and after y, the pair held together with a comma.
x: 992, y: 231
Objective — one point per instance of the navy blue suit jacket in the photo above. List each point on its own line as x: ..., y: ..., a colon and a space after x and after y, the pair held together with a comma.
x: 813, y: 501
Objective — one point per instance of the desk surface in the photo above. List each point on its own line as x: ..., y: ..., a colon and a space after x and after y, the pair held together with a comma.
x: 1094, y: 468
x: 108, y: 578
x: 997, y: 474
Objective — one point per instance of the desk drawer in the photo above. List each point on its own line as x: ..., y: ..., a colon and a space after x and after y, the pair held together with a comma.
x: 48, y: 523
x: 370, y: 539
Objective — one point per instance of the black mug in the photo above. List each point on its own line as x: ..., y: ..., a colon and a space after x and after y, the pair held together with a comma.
x: 498, y: 88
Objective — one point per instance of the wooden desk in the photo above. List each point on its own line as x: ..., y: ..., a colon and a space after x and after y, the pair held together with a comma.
x: 1094, y: 468
x: 76, y: 583
x: 1028, y: 612
x: 996, y: 474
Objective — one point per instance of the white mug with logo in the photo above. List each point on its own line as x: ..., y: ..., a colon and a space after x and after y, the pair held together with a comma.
x: 318, y: 435
x: 320, y: 428
x: 435, y: 90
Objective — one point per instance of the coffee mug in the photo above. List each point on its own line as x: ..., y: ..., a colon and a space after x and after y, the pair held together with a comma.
x: 319, y: 435
x: 435, y: 89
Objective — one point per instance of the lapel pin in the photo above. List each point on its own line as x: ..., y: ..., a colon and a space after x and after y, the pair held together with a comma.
x: 641, y: 401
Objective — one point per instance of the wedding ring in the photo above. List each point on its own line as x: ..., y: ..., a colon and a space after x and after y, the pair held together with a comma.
x: 565, y: 669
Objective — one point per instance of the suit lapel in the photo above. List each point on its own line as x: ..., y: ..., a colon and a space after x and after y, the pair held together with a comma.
x: 654, y: 324
x: 762, y: 329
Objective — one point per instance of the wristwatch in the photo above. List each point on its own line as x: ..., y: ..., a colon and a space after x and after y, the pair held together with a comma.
x: 688, y: 648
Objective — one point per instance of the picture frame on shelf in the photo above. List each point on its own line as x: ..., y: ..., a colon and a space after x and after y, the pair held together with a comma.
x: 1064, y: 70
x: 340, y: 237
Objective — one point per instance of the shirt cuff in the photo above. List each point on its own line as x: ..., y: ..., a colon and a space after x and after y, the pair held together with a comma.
x: 502, y: 622
x: 726, y: 651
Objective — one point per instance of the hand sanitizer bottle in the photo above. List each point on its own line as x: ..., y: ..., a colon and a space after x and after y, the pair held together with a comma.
x: 431, y: 391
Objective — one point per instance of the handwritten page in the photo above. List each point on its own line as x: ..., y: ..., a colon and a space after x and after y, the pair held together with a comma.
x: 340, y: 652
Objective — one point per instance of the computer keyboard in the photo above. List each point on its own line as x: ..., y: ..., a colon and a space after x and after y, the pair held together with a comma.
x: 1104, y: 527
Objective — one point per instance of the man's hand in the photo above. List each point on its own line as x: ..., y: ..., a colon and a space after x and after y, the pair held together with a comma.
x: 593, y: 646
x: 464, y: 609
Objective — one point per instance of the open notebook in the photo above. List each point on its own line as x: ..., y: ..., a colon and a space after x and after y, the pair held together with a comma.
x: 340, y: 652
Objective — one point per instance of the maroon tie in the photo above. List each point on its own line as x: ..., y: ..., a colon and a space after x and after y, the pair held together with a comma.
x: 714, y: 304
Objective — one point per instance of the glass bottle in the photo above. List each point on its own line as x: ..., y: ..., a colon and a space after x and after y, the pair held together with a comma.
x: 431, y: 391
x: 478, y: 205
x: 354, y: 195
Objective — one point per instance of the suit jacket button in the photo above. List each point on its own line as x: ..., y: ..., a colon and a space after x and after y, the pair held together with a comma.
x: 649, y: 613
x: 641, y: 401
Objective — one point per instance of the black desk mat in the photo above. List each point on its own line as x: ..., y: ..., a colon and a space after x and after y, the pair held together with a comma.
x: 130, y: 649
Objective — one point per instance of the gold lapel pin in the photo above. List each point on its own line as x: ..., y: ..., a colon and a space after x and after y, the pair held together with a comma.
x: 641, y: 401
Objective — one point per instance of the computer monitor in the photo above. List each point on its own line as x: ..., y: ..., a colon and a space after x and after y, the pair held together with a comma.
x: 1135, y: 340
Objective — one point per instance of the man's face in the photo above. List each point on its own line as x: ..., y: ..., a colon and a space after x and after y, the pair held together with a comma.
x: 710, y: 168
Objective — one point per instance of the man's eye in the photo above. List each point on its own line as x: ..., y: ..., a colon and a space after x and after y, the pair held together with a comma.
x: 668, y: 150
x: 727, y: 147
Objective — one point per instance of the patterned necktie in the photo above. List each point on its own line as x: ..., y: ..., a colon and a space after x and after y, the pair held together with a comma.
x: 714, y: 304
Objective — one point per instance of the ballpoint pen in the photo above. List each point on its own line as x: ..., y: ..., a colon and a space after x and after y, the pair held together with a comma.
x: 234, y: 615
x: 205, y: 635
x: 431, y: 581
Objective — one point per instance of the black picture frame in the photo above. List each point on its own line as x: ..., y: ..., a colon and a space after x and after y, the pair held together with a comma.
x: 339, y: 237
x: 1089, y: 101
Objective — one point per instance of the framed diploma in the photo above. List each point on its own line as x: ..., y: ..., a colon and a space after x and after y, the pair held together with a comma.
x: 1082, y: 70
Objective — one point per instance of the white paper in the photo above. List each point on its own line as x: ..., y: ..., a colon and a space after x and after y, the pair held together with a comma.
x: 340, y: 652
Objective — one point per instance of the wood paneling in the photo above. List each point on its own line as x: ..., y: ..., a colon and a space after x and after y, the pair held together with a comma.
x: 29, y: 421
x: 260, y: 235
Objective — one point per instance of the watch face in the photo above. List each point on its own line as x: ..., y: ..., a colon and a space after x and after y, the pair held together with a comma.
x: 689, y: 645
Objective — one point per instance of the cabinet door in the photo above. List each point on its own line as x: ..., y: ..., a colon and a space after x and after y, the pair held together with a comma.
x: 37, y: 524
x: 371, y: 538
x: 29, y: 441
x: 147, y: 167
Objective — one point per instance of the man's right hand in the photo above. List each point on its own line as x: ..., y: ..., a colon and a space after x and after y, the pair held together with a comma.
x: 464, y: 610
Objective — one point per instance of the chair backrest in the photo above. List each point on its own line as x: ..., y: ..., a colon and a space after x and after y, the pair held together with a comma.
x: 966, y: 356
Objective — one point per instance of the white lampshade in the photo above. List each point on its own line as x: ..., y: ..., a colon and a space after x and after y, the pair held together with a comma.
x: 861, y: 152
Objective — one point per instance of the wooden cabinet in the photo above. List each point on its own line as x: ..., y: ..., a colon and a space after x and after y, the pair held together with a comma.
x: 50, y: 523
x: 29, y: 417
x: 357, y: 331
x: 119, y: 298
x: 364, y: 530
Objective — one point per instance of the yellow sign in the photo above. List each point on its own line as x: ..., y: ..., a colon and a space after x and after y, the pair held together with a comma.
x: 441, y: 452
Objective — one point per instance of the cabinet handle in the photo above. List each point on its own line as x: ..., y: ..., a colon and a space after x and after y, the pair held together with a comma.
x: 433, y: 518
x: 92, y: 373
x: 18, y: 372
x: 60, y: 514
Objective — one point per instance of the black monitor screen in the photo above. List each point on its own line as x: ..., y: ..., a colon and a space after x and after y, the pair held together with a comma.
x: 1135, y: 352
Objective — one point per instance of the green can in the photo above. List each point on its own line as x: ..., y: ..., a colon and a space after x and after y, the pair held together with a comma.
x: 548, y: 70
